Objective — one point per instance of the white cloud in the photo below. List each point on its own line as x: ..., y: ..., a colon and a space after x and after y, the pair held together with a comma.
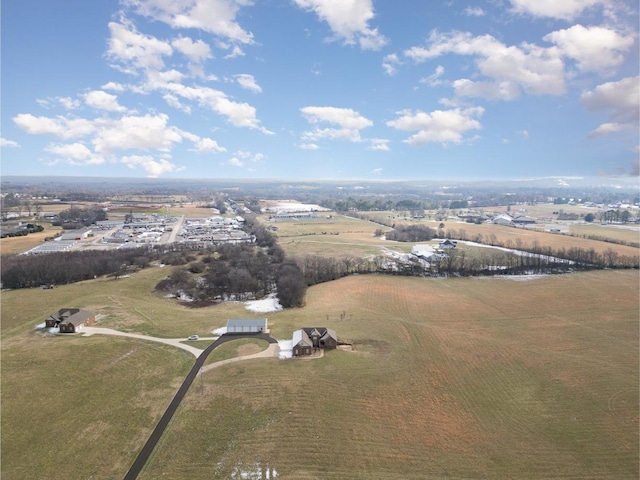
x: 75, y: 154
x: 504, y: 90
x: 174, y: 102
x: 379, y: 144
x: 621, y: 99
x: 563, y: 9
x: 523, y: 133
x: 136, y: 132
x: 389, y: 63
x: 349, y: 20
x: 252, y: 157
x: 433, y: 80
x: 248, y: 82
x: 208, y: 145
x: 236, y: 51
x: 511, y: 69
x: 607, y: 128
x: 103, y: 101
x: 69, y: 103
x: 62, y: 127
x: 593, y: 48
x: 439, y: 126
x: 135, y: 50
x: 308, y: 146
x: 154, y: 168
x: 214, y: 16
x: 235, y: 162
x: 377, y: 171
x: 474, y: 12
x: 4, y: 143
x: 349, y: 121
x: 196, y: 52
x: 238, y: 114
x: 116, y: 87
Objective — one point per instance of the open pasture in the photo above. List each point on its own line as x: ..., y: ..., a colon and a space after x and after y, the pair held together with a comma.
x: 356, y: 237
x: 622, y: 233
x: 336, y: 236
x: 465, y: 378
x: 459, y: 378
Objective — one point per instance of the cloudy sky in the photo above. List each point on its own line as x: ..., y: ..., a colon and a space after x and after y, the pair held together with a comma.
x: 348, y: 89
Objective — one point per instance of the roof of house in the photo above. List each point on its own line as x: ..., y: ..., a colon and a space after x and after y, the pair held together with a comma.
x: 422, y: 250
x: 322, y: 332
x: 247, y: 322
x: 72, y: 315
x: 448, y: 242
x: 301, y: 338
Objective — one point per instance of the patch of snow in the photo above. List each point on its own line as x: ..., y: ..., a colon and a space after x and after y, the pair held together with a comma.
x: 286, y: 349
x: 40, y: 325
x: 184, y: 297
x: 268, y: 304
x: 258, y: 472
x: 220, y: 331
x: 522, y: 278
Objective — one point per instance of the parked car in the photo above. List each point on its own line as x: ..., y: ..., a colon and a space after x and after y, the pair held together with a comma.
x: 193, y: 337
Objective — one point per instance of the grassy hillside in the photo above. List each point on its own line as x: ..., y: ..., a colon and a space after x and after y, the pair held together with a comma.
x: 473, y: 378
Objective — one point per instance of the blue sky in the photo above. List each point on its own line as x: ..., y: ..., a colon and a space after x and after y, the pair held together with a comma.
x: 351, y: 89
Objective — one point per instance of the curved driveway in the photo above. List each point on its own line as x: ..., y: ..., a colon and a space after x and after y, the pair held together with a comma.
x: 146, y: 451
x: 174, y: 342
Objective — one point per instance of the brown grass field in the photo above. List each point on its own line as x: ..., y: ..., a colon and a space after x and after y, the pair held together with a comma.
x: 448, y: 378
x: 346, y: 236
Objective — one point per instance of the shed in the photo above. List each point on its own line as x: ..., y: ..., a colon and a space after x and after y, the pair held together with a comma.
x: 524, y: 220
x: 247, y: 325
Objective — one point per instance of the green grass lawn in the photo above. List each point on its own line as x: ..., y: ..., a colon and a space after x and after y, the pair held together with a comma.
x: 448, y: 378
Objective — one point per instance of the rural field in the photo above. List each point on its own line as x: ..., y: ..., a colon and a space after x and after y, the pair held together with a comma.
x: 342, y: 235
x: 532, y: 377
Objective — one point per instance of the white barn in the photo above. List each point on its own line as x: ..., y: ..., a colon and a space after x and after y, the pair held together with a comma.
x: 247, y: 325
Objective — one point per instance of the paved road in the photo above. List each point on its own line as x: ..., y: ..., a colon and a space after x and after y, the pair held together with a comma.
x: 146, y: 451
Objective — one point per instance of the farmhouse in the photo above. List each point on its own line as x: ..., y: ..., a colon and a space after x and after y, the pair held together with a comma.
x: 247, y: 325
x: 307, y: 340
x: 427, y: 253
x: 70, y: 320
x: 448, y: 244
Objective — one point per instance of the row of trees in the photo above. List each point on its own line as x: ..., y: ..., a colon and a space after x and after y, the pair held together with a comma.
x: 75, y: 217
x: 411, y: 233
x: 27, y: 271
x: 581, y: 257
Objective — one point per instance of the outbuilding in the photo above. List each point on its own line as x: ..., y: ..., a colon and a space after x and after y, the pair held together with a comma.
x: 247, y: 325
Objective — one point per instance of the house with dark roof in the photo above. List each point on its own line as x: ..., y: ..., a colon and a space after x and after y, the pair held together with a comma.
x: 247, y: 325
x: 447, y: 244
x: 70, y: 320
x: 308, y: 340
